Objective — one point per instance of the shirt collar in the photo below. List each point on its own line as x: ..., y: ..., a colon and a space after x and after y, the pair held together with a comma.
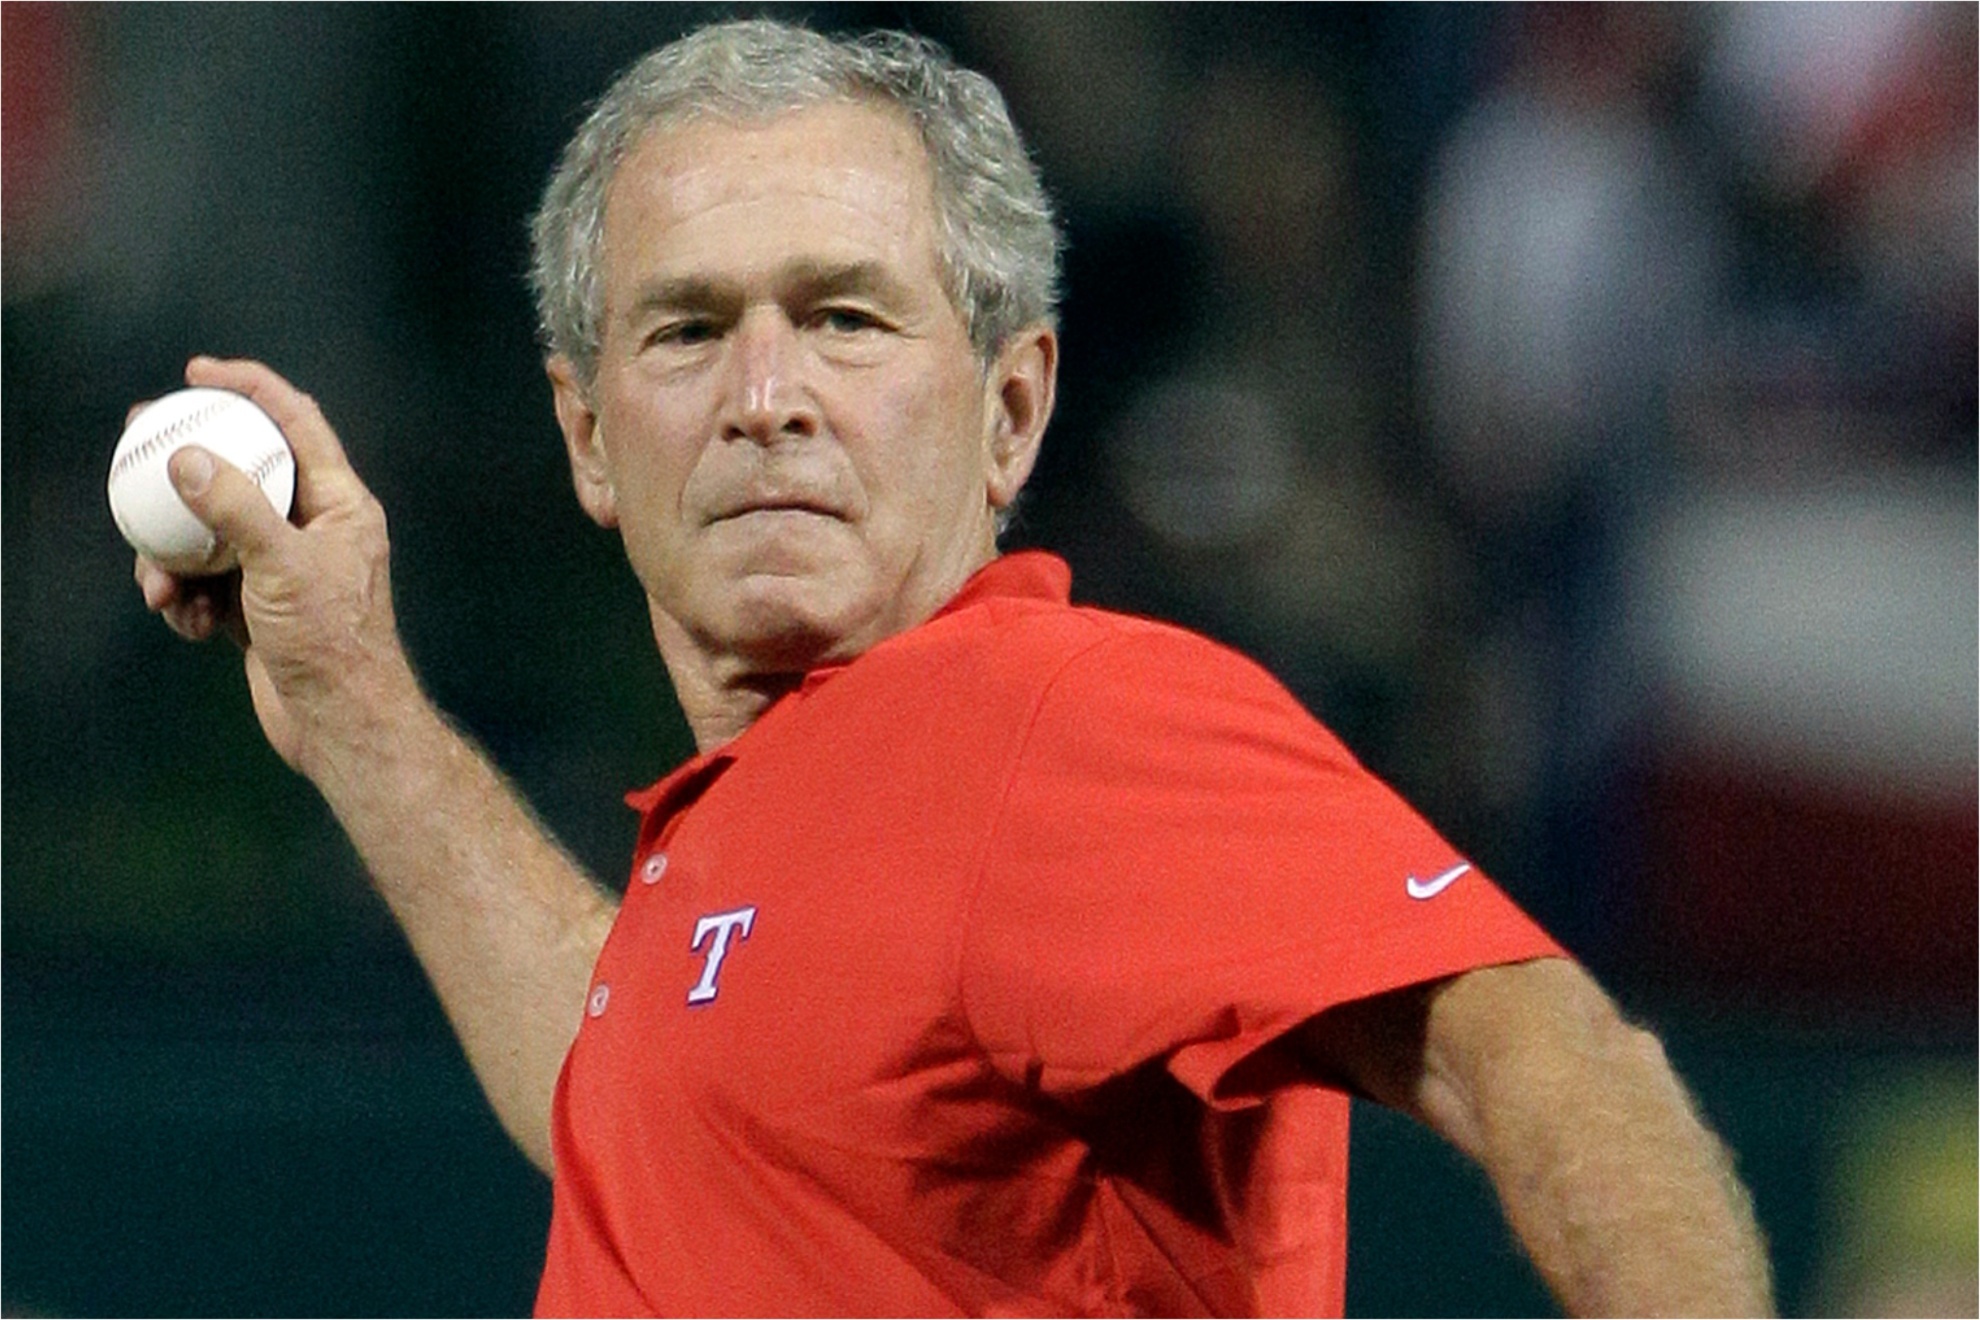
x: 658, y: 801
x: 1023, y: 575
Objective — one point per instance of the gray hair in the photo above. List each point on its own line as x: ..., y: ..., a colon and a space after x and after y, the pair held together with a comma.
x: 997, y: 242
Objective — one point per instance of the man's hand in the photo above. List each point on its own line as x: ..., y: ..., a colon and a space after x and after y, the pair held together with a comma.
x: 312, y: 602
x: 505, y: 923
x: 1625, y: 1202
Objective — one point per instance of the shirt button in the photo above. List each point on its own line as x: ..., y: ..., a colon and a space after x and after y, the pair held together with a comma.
x: 600, y: 996
x: 656, y: 866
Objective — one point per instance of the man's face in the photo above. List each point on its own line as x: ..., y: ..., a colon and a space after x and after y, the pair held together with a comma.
x: 788, y: 423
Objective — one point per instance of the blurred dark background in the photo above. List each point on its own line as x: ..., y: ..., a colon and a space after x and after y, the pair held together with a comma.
x: 1574, y: 406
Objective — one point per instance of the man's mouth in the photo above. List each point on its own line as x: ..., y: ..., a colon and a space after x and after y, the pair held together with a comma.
x: 775, y: 504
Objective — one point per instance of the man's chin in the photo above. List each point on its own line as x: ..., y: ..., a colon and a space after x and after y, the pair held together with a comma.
x: 789, y: 625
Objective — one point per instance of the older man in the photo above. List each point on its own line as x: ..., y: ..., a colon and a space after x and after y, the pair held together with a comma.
x: 994, y: 954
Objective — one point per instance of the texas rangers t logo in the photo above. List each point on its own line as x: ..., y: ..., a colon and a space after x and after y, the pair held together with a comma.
x: 721, y: 925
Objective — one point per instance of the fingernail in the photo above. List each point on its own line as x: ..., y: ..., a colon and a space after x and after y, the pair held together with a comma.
x: 192, y: 469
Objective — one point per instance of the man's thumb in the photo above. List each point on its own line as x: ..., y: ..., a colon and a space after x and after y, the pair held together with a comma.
x: 192, y: 471
x: 221, y: 496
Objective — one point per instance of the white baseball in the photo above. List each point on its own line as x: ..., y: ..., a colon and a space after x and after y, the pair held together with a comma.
x: 149, y: 511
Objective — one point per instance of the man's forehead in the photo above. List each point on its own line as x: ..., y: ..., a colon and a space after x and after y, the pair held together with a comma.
x: 836, y: 184
x: 868, y: 145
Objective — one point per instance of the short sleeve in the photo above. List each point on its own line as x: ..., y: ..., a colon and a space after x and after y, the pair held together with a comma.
x: 1187, y: 865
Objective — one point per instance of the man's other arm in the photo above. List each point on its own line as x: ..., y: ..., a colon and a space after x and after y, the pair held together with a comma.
x: 1623, y: 1199
x: 506, y: 925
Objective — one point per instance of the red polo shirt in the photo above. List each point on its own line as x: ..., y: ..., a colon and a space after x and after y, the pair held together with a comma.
x: 929, y: 992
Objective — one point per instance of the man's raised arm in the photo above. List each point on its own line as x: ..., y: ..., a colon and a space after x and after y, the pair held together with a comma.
x: 1623, y: 1199
x: 506, y: 924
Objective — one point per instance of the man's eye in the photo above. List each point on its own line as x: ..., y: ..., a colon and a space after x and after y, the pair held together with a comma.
x: 685, y: 334
x: 846, y: 320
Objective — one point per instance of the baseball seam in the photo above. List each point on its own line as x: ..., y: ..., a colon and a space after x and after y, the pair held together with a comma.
x: 146, y: 448
x: 265, y: 468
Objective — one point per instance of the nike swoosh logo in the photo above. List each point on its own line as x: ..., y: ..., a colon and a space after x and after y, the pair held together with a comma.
x: 1433, y: 887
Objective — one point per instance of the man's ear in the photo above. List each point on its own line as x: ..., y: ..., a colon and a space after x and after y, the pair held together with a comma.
x: 591, y: 474
x: 1020, y: 388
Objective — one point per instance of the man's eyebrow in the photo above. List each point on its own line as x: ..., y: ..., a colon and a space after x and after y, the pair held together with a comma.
x: 685, y: 293
x: 805, y: 281
x: 812, y: 280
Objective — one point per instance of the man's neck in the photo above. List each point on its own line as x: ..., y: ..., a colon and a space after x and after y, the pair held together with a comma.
x: 722, y: 692
x: 718, y: 712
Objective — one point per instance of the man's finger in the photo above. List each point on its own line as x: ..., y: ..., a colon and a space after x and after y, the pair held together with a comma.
x: 159, y: 587
x: 221, y: 496
x: 324, y: 478
x: 193, y: 615
x: 194, y: 608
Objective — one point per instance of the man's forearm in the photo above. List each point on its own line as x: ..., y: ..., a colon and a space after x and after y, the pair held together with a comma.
x: 506, y: 924
x: 1626, y: 1203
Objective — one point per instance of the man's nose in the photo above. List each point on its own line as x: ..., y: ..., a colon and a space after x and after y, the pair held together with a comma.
x: 768, y: 399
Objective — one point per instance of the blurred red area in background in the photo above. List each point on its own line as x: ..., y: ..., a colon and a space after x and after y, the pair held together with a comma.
x: 37, y: 103
x: 1800, y: 893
